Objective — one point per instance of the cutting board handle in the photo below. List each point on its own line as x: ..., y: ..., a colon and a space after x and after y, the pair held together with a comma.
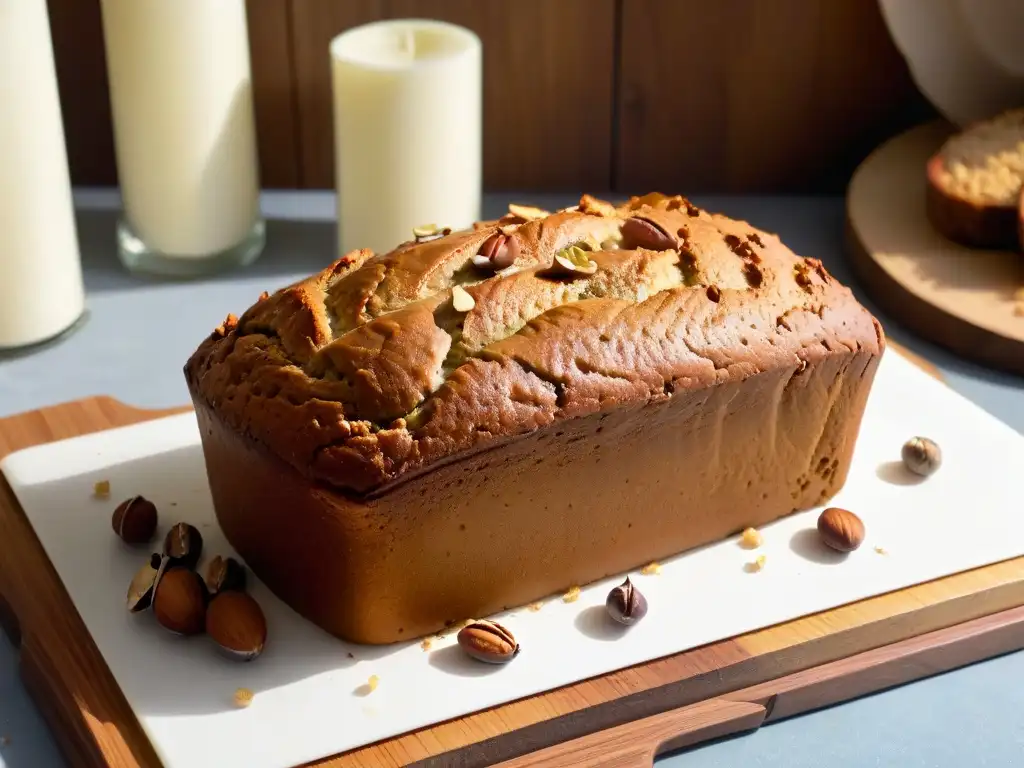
x: 636, y: 744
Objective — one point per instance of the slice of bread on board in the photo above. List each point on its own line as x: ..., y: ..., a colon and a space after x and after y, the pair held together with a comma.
x: 975, y: 184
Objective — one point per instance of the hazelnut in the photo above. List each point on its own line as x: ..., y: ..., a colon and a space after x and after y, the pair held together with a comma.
x: 488, y: 641
x: 840, y: 529
x: 643, y: 233
x: 626, y: 604
x: 183, y: 545
x: 497, y: 252
x: 921, y: 456
x: 236, y: 623
x: 179, y: 602
x: 225, y: 574
x: 134, y: 520
x: 143, y: 584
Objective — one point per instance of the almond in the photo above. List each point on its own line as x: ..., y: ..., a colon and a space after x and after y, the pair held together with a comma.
x: 236, y: 623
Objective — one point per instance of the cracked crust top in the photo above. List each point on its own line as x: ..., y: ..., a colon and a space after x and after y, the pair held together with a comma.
x: 365, y: 373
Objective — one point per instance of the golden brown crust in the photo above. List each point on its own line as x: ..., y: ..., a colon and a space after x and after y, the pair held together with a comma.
x: 364, y: 374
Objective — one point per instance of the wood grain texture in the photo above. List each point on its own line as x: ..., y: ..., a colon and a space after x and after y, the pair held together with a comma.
x: 748, y: 96
x: 76, y: 28
x: 94, y: 725
x: 548, y: 77
x: 635, y: 744
x: 273, y: 92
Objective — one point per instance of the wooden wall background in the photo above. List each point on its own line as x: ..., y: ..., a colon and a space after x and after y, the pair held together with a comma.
x: 697, y: 96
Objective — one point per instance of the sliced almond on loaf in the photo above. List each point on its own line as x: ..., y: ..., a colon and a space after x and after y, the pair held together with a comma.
x: 975, y: 182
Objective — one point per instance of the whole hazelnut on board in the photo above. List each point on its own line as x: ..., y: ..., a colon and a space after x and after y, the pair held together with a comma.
x: 134, y: 520
x: 143, y: 584
x: 625, y: 604
x: 179, y: 602
x: 235, y: 621
x: 488, y: 641
x: 225, y: 574
x: 183, y: 545
x: 840, y: 529
x: 921, y: 456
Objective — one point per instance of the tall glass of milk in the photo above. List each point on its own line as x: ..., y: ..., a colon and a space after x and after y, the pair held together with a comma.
x: 408, y: 110
x: 184, y: 134
x: 41, y: 293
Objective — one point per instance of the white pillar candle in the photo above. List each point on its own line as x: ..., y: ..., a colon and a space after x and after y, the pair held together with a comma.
x: 41, y: 291
x: 184, y: 129
x: 407, y: 130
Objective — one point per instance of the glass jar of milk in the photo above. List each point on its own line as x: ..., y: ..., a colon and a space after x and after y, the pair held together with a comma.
x: 184, y: 134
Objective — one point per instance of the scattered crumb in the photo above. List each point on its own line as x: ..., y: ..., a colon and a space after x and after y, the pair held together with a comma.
x: 757, y: 565
x: 174, y: 503
x: 751, y: 539
x: 427, y: 644
x: 4, y: 741
x: 535, y: 606
x: 881, y: 550
x: 651, y: 569
x: 243, y: 697
x: 101, y: 489
x: 372, y: 683
x: 572, y: 595
x: 351, y: 655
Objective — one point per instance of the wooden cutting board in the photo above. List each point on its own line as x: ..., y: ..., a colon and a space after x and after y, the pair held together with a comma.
x: 623, y: 718
x: 968, y: 300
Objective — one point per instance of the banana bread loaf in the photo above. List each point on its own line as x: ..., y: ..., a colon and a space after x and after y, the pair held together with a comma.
x: 481, y: 418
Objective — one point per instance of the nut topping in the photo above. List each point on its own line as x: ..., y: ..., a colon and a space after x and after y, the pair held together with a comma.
x: 225, y: 574
x: 428, y: 232
x: 179, y: 602
x: 922, y: 456
x: 642, y: 233
x: 488, y: 641
x: 183, y: 545
x: 840, y: 529
x: 462, y: 300
x: 143, y: 584
x: 527, y: 212
x: 595, y: 207
x: 236, y: 624
x: 625, y: 604
x: 497, y: 252
x: 573, y: 261
x: 134, y: 520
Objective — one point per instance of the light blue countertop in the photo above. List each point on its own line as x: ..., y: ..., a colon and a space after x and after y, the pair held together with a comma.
x: 139, y: 331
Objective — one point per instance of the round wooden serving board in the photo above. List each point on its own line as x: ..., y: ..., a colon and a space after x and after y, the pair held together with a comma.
x: 957, y: 297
